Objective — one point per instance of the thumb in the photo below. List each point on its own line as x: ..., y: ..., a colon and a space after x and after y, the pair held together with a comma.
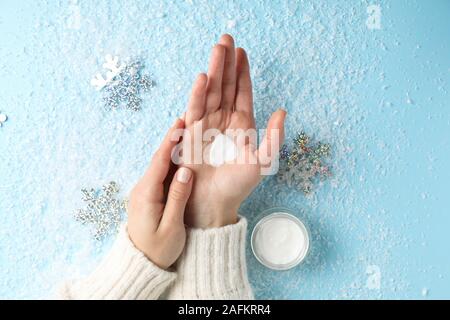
x: 179, y: 192
x: 274, y: 138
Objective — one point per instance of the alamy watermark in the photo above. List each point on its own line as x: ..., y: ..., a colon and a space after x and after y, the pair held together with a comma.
x: 74, y: 18
x: 373, y: 21
x: 239, y: 146
x: 373, y: 277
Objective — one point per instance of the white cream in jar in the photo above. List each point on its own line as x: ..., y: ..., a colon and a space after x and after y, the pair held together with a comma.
x: 280, y: 241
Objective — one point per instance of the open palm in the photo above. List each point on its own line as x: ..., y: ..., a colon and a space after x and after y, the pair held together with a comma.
x: 223, y: 100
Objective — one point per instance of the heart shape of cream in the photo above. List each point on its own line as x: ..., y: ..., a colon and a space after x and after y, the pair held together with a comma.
x: 222, y: 150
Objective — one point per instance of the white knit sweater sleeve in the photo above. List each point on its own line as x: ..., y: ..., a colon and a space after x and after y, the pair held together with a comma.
x: 213, y: 265
x: 125, y: 273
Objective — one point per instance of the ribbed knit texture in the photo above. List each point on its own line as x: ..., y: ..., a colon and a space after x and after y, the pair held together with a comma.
x: 125, y: 273
x: 213, y: 265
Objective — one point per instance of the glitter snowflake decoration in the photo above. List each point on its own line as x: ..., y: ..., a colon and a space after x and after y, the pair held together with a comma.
x: 123, y: 84
x: 103, y: 211
x: 304, y: 163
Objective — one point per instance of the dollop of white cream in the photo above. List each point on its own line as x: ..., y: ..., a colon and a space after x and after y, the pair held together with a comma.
x: 222, y: 150
x: 280, y: 241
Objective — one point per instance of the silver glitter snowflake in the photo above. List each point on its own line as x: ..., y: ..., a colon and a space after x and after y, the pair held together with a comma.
x: 103, y: 211
x: 127, y: 87
x: 123, y: 83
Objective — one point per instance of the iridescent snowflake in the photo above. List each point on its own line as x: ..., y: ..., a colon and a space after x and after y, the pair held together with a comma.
x: 304, y: 163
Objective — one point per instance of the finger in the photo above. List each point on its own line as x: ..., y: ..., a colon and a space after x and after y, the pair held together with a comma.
x: 215, y: 73
x: 229, y: 73
x: 244, y: 94
x: 270, y: 146
x: 196, y: 105
x: 160, y: 164
x: 179, y: 192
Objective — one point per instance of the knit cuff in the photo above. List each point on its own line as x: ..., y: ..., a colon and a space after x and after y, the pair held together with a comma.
x: 125, y: 273
x: 213, y: 265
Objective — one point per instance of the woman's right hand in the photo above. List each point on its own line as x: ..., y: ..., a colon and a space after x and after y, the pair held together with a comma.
x: 155, y: 219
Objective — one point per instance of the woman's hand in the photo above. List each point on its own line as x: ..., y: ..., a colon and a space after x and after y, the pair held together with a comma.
x: 156, y: 222
x: 223, y: 100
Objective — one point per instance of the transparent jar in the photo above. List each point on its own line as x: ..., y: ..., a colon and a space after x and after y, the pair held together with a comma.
x: 277, y: 213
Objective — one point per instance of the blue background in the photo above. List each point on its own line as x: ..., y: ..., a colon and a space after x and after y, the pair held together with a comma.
x: 380, y: 97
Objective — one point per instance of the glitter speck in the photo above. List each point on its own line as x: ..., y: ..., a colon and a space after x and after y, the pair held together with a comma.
x: 231, y: 24
x: 409, y: 100
x: 3, y: 118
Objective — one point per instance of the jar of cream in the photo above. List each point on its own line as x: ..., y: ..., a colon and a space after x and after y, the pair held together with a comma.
x: 280, y: 241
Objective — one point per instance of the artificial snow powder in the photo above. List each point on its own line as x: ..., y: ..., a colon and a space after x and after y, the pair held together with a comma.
x: 325, y: 87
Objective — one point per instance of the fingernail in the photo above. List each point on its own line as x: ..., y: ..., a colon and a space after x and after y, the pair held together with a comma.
x: 179, y: 123
x: 184, y: 175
